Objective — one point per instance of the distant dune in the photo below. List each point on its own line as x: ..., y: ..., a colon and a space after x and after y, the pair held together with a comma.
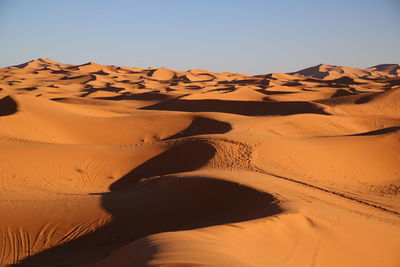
x: 103, y: 165
x: 328, y: 72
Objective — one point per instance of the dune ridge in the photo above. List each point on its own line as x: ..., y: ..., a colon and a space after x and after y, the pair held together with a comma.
x: 105, y: 165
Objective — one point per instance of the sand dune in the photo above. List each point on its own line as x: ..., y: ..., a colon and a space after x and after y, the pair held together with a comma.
x: 121, y: 166
x: 328, y: 72
x: 391, y: 69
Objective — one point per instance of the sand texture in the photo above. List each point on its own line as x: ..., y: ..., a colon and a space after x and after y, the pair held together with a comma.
x: 121, y: 166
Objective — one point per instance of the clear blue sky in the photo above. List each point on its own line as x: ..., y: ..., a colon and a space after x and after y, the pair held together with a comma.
x: 251, y: 36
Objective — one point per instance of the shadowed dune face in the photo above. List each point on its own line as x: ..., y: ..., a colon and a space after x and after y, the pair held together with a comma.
x: 174, y: 160
x: 161, y: 205
x: 8, y: 106
x: 202, y: 125
x: 191, y: 203
x: 380, y: 131
x: 141, y: 96
x: 342, y: 92
x: 248, y: 108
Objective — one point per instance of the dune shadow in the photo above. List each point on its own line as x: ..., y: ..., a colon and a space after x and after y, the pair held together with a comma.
x: 141, y: 96
x: 344, y: 80
x: 224, y: 90
x: 185, y: 157
x: 60, y: 72
x: 378, y: 132
x: 248, y: 108
x: 30, y: 89
x: 366, y: 98
x: 108, y: 88
x: 342, y: 92
x: 100, y: 72
x: 8, y: 106
x: 292, y: 83
x: 269, y: 92
x: 88, y: 77
x: 202, y: 125
x: 167, y: 203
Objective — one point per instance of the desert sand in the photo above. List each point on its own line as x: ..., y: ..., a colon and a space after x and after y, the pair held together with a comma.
x: 121, y: 166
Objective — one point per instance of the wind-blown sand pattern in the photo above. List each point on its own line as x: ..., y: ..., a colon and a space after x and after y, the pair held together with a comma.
x: 118, y: 166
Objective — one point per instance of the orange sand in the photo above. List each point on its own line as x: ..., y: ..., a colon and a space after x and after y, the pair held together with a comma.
x: 119, y: 166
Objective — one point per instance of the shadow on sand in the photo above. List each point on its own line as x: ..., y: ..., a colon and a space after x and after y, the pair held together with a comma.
x: 203, y: 125
x: 141, y: 205
x: 8, y: 106
x: 249, y: 108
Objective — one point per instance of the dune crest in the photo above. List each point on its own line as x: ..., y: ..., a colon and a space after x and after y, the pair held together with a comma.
x: 103, y: 165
